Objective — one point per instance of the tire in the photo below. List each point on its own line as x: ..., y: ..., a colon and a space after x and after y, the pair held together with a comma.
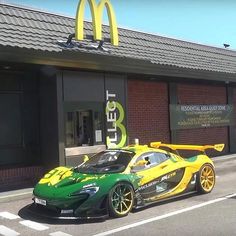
x: 121, y: 200
x: 206, y: 179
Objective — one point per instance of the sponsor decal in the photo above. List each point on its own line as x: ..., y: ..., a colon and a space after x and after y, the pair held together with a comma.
x: 148, y: 185
x: 160, y: 184
x: 97, y: 14
x: 67, y: 211
x: 161, y: 187
x: 56, y: 175
x: 89, y: 185
x: 165, y: 177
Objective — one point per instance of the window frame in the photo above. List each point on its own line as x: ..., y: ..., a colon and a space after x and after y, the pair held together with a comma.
x: 149, y: 166
x: 97, y: 110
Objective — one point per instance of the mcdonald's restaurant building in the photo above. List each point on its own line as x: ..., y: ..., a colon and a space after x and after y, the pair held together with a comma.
x: 61, y: 98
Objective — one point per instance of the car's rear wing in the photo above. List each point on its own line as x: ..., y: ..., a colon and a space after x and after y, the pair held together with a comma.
x: 175, y: 147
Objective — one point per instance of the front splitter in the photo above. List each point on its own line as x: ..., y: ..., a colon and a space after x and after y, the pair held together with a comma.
x: 41, y: 211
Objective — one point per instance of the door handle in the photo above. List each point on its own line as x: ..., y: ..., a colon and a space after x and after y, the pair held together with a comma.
x: 164, y: 166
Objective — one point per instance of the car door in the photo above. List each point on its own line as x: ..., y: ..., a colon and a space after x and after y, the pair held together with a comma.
x: 160, y: 175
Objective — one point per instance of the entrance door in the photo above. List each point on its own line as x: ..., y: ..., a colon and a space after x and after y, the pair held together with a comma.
x: 19, y: 115
x: 10, y: 129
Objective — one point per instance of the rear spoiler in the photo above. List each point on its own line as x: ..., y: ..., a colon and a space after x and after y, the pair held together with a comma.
x: 217, y: 147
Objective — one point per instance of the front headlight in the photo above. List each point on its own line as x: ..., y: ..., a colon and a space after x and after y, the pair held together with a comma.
x: 88, y: 190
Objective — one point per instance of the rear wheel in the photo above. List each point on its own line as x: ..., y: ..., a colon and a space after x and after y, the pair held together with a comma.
x: 121, y: 199
x: 206, y: 179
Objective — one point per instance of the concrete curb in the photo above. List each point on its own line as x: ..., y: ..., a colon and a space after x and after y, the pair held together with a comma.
x: 223, y: 158
x: 15, y: 195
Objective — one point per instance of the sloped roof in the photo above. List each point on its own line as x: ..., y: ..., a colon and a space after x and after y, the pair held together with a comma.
x: 42, y: 31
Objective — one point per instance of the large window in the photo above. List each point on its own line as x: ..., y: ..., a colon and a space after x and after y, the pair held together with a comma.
x: 79, y: 128
x: 84, y: 128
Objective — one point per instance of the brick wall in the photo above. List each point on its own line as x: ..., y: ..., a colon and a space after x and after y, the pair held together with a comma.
x: 148, y: 114
x: 21, y: 177
x: 203, y: 94
x: 233, y: 128
x: 234, y: 103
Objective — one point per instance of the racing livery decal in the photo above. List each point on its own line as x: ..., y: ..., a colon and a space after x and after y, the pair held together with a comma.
x: 162, y: 184
x: 115, y: 181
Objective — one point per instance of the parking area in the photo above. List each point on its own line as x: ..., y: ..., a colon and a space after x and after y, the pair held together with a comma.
x: 210, y: 214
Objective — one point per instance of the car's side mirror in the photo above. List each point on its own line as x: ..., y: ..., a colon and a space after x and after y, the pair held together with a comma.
x: 139, y: 163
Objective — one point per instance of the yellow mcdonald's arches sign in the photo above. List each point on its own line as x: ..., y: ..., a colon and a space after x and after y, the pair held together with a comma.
x: 97, y: 13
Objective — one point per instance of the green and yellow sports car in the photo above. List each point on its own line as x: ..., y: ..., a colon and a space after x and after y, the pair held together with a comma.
x: 115, y: 181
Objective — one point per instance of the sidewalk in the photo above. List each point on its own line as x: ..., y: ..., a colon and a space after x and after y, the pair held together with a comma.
x: 27, y: 192
x: 223, y: 158
x: 15, y: 194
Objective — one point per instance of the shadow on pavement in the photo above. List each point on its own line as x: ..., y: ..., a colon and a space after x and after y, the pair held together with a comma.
x: 166, y: 201
x: 34, y: 213
x: 30, y: 212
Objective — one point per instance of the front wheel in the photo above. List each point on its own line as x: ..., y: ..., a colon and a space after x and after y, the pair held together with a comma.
x: 206, y: 179
x: 121, y: 199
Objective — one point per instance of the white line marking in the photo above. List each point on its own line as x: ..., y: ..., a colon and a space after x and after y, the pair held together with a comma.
x: 59, y: 233
x: 164, y: 216
x: 231, y: 195
x: 7, y: 232
x: 8, y: 215
x: 34, y: 225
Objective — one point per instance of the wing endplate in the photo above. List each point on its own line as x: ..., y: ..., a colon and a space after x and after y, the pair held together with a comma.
x: 217, y: 147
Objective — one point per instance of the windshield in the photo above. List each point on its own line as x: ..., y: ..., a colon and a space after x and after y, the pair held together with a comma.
x: 110, y: 161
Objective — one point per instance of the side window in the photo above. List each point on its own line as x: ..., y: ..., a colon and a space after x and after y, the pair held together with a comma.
x: 157, y: 158
x: 152, y: 158
x: 83, y: 128
x: 140, y: 167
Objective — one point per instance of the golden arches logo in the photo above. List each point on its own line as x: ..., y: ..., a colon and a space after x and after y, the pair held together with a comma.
x: 96, y: 12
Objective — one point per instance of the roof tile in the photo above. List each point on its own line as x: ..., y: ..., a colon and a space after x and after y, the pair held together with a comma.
x: 32, y: 29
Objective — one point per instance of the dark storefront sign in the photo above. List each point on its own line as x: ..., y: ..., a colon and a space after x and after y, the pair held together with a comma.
x: 116, y: 134
x: 198, y: 116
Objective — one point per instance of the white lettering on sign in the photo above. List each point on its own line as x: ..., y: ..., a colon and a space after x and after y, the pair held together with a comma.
x: 114, y: 117
x: 111, y: 117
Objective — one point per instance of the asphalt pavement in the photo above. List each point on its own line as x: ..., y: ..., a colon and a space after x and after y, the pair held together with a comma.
x: 207, y: 214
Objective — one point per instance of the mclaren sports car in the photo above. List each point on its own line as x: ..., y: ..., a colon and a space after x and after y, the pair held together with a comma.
x: 115, y: 181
